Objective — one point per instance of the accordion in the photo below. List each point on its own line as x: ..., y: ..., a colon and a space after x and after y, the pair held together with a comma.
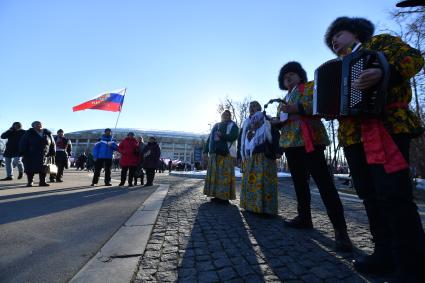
x: 334, y: 96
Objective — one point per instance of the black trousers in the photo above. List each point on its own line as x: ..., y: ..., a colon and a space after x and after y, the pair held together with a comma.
x: 98, y: 165
x: 302, y: 165
x: 42, y: 176
x: 131, y: 170
x: 150, y: 175
x: 394, y: 221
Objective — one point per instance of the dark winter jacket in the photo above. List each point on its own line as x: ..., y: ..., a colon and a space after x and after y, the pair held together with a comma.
x: 222, y: 147
x: 13, y: 138
x: 130, y: 154
x: 105, y: 148
x: 151, y: 154
x: 63, y: 150
x: 35, y: 148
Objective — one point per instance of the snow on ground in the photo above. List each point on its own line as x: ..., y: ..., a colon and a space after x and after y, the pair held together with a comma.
x: 420, y: 183
x: 238, y: 174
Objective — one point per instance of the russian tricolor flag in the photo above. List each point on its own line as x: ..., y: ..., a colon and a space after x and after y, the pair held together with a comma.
x: 110, y: 101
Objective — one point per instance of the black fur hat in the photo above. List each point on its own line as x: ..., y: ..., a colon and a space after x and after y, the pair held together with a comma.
x: 294, y: 67
x: 411, y: 3
x: 362, y: 28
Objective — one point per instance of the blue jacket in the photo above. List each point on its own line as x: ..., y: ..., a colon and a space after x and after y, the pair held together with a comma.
x: 105, y: 148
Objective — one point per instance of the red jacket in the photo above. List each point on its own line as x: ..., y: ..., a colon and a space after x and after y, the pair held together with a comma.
x: 129, y: 149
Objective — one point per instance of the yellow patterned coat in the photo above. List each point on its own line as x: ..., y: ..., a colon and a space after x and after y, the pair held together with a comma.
x: 407, y: 62
x: 290, y: 133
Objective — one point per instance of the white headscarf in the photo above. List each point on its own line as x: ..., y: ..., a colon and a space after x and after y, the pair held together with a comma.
x: 262, y: 133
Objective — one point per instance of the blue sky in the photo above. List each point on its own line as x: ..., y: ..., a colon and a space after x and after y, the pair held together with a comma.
x: 176, y: 58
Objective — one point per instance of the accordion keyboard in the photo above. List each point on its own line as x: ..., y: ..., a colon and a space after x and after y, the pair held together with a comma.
x: 356, y: 96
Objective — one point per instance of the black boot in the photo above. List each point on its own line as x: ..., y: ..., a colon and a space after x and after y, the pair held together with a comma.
x: 300, y: 223
x: 342, y: 241
x: 30, y: 178
x: 380, y: 261
x: 42, y: 182
x: 8, y: 178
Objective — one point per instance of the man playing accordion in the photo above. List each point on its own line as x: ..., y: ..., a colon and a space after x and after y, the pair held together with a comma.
x: 377, y: 151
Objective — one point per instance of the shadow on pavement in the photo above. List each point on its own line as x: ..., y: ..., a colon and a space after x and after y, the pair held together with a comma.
x: 219, y: 247
x: 21, y: 209
x: 307, y: 254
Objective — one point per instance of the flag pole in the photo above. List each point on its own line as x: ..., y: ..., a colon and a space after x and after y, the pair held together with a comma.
x: 116, y: 123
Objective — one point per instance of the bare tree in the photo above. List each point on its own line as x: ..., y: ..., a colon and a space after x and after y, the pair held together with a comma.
x: 411, y: 23
x: 239, y: 109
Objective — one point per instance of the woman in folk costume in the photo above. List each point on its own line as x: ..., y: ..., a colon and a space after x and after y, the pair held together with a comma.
x: 258, y: 153
x: 377, y: 151
x: 220, y: 178
x: 304, y: 139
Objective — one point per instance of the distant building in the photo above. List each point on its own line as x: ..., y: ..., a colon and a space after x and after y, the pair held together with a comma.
x: 183, y: 146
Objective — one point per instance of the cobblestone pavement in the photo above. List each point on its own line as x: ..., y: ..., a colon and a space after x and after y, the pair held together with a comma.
x: 195, y: 240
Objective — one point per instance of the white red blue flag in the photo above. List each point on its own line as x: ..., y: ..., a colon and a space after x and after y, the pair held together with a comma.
x: 110, y: 101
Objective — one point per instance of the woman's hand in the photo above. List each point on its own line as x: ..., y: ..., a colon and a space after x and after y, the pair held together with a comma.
x: 289, y: 108
x: 368, y: 78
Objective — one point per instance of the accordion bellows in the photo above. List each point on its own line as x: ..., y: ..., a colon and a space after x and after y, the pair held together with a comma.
x: 334, y: 96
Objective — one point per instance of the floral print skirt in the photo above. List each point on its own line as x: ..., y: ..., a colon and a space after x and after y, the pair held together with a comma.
x: 259, y: 185
x: 220, y: 178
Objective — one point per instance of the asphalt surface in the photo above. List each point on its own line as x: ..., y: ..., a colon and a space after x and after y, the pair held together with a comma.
x: 48, y: 233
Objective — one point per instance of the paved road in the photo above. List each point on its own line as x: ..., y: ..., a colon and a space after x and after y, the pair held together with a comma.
x: 195, y: 240
x: 48, y: 233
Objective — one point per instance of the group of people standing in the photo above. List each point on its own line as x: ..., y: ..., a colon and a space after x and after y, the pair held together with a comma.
x: 376, y: 149
x: 135, y: 156
x: 30, y: 151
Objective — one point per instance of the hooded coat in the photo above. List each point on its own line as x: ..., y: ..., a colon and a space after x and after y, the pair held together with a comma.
x: 129, y: 149
x: 105, y: 148
x: 35, y: 148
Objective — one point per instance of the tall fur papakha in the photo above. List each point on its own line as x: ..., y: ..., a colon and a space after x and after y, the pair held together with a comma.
x: 362, y: 28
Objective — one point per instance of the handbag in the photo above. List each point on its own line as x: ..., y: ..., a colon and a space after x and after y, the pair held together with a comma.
x: 50, y: 167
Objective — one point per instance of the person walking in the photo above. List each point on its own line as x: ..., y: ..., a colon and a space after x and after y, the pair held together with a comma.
x: 304, y: 139
x: 102, y: 155
x: 11, y: 154
x: 63, y: 151
x: 130, y: 158
x: 377, y: 151
x: 220, y: 177
x: 151, y: 154
x: 36, y: 146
